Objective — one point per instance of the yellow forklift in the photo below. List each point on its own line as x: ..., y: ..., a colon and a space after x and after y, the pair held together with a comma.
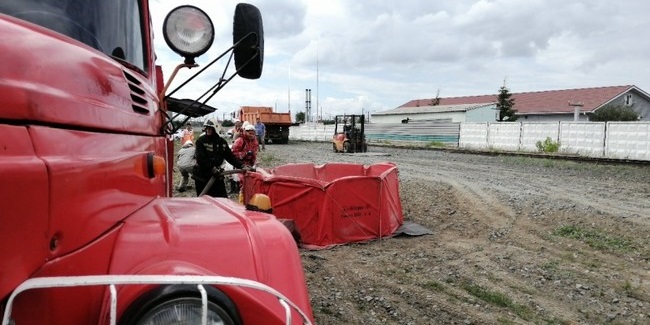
x: 349, y: 134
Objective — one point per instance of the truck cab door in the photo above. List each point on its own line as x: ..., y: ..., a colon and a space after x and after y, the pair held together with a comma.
x: 24, y: 208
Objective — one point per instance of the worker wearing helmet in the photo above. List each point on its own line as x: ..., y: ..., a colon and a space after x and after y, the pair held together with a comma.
x: 246, y: 147
x: 211, y: 150
x: 185, y: 163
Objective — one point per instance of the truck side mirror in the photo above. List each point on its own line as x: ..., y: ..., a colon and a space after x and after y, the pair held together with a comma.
x: 248, y: 40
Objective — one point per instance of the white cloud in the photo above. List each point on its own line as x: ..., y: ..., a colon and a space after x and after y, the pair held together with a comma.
x: 376, y: 55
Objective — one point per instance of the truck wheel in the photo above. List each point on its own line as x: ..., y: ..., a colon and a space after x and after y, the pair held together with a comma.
x: 346, y: 147
x: 249, y: 55
x: 334, y: 147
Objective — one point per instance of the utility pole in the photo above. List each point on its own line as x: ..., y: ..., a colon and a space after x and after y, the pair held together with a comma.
x: 317, y: 77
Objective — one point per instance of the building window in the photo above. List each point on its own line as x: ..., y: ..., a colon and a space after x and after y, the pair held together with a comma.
x: 628, y: 100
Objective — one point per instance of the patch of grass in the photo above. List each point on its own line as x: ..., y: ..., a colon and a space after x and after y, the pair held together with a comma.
x: 495, y: 150
x: 555, y: 321
x: 548, y: 145
x: 533, y: 161
x: 627, y: 286
x: 594, y: 264
x: 633, y: 292
x: 435, y: 286
x: 551, y: 266
x: 497, y: 299
x: 596, y: 238
x: 548, y: 163
x: 436, y: 144
x: 505, y: 321
x: 560, y: 272
x: 552, y: 163
x: 494, y: 298
x: 266, y: 159
x: 492, y: 277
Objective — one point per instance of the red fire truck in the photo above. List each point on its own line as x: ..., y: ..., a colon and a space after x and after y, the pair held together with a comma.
x: 90, y: 233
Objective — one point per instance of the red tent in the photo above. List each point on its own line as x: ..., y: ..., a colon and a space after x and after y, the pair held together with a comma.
x: 334, y: 203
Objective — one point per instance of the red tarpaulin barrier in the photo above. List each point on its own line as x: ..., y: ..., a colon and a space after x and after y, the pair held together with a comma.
x: 334, y: 203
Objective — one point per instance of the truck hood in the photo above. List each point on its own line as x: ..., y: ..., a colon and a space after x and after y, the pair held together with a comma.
x: 213, y: 235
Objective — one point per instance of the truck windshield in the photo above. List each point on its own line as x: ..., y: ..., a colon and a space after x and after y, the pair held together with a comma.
x: 113, y: 27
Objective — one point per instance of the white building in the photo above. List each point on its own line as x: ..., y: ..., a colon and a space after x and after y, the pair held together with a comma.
x: 479, y: 112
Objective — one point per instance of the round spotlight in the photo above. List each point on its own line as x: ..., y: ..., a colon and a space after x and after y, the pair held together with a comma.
x: 188, y: 31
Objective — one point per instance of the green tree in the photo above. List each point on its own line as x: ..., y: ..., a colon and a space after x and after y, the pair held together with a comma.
x: 614, y: 113
x: 505, y: 105
x: 436, y: 101
x: 300, y: 117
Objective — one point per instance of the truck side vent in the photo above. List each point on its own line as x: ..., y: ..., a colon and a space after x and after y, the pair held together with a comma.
x: 137, y: 94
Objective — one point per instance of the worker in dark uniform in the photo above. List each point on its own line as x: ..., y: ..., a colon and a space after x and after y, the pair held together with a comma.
x: 211, y: 150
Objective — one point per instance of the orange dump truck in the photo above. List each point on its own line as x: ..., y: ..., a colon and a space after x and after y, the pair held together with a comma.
x: 277, y: 124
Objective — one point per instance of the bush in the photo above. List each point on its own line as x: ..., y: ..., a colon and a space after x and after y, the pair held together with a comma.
x: 614, y: 113
x: 548, y: 145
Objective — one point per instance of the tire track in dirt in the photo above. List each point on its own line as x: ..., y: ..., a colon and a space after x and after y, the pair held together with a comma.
x: 478, y: 202
x: 595, y: 195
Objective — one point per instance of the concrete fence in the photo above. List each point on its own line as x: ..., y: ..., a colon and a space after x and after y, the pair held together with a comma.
x: 311, y: 132
x: 615, y: 140
x: 385, y: 132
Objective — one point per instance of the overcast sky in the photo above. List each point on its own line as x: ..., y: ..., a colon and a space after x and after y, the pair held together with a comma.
x: 374, y: 55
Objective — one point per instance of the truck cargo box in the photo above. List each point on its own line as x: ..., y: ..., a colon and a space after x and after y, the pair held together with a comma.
x: 277, y: 124
x: 265, y: 114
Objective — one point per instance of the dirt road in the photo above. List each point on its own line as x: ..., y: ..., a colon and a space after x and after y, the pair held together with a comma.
x: 515, y: 241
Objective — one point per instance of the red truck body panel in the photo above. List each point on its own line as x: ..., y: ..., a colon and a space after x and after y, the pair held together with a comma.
x: 79, y: 194
x: 24, y: 198
x: 162, y: 238
x: 55, y: 80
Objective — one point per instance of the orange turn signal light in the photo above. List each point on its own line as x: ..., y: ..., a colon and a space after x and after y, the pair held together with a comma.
x: 159, y: 166
x: 151, y: 165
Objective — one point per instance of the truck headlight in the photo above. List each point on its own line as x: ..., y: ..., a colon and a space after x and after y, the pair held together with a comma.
x: 188, y: 31
x: 181, y: 304
x: 183, y: 311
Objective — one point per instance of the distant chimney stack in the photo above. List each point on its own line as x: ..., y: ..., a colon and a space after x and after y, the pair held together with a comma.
x: 576, y: 110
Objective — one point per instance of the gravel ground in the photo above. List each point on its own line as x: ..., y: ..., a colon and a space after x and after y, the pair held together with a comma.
x: 516, y: 240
